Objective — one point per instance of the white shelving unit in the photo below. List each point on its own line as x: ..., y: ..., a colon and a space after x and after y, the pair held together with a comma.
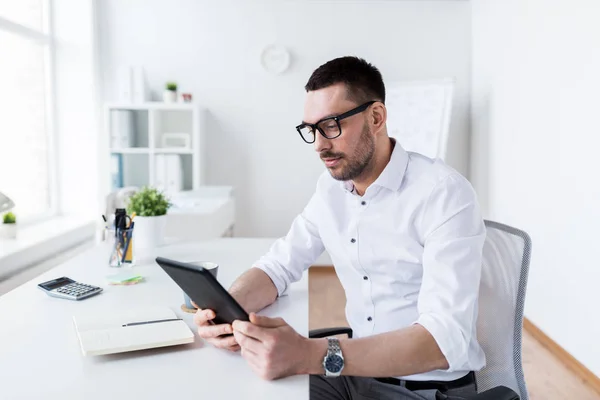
x: 135, y: 132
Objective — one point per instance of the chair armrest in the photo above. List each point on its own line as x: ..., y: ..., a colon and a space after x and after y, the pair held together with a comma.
x: 497, y: 393
x: 324, y: 332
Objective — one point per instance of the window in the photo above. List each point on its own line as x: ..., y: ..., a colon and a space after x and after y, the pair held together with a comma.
x: 26, y: 153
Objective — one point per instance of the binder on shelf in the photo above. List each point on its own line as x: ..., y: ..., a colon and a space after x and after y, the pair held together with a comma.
x: 122, y: 129
x: 160, y: 172
x: 116, y: 170
x: 174, y: 173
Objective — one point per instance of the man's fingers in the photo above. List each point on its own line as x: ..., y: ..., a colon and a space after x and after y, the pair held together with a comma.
x: 234, y: 348
x: 212, y: 331
x: 250, y: 356
x: 247, y: 342
x: 202, y: 317
x: 266, y: 322
x: 250, y: 330
x: 223, y: 343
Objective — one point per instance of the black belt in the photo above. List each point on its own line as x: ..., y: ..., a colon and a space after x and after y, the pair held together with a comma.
x: 442, y: 386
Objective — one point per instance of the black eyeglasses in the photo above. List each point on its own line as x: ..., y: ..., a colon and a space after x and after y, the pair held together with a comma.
x: 328, y: 127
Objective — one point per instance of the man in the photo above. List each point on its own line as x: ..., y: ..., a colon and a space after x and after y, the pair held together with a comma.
x: 405, y: 235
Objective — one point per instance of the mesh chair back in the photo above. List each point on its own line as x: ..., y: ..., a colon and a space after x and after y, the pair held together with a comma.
x: 506, y: 255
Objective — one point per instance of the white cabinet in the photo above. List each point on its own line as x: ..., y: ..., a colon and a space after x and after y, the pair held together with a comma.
x: 157, y: 144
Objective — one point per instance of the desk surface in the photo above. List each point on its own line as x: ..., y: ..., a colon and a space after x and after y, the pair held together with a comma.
x: 40, y: 356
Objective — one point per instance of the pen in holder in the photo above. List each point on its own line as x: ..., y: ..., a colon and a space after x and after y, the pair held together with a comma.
x: 121, y: 246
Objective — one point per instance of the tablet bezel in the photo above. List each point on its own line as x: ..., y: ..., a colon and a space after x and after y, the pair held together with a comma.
x: 198, y: 277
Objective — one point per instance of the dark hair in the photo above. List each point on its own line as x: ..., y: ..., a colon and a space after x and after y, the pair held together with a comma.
x: 363, y: 81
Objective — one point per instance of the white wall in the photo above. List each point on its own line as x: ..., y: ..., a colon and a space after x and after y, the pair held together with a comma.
x: 536, y: 84
x: 212, y: 50
x: 76, y: 105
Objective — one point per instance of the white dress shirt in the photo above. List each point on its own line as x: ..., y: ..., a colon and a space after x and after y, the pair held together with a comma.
x: 407, y: 251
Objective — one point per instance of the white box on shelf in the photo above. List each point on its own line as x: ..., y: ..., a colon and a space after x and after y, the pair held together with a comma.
x: 176, y: 140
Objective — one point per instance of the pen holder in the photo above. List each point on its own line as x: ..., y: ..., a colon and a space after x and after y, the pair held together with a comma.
x: 121, y: 246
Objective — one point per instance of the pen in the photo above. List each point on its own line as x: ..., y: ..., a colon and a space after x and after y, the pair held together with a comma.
x: 115, y: 255
x: 128, y: 237
x: 152, y: 322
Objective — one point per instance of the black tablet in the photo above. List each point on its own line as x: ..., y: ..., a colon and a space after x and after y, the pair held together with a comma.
x: 204, y: 290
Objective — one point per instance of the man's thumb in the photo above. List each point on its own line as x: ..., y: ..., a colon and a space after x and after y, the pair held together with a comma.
x: 266, y: 322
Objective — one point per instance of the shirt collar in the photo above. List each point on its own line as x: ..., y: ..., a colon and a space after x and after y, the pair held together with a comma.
x: 393, y: 173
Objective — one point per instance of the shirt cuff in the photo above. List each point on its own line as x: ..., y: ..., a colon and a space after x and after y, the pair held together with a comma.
x: 279, y: 282
x: 449, y: 341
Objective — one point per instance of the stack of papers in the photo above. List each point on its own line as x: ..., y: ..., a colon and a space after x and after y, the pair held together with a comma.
x: 125, y: 278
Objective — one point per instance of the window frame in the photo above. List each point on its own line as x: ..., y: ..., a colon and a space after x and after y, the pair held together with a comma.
x: 44, y: 37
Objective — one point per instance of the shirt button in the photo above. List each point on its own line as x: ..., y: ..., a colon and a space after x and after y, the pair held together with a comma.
x: 352, y: 240
x: 364, y: 203
x: 365, y: 277
x: 369, y: 319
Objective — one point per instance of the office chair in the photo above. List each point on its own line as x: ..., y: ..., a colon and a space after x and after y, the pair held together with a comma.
x: 506, y: 255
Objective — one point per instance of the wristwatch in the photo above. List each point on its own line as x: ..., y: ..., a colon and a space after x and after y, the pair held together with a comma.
x: 333, y: 363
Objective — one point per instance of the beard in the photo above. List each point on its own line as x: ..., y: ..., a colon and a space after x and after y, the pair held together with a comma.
x: 354, y: 165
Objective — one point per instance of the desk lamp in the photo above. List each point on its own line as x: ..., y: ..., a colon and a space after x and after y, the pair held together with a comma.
x: 6, y: 204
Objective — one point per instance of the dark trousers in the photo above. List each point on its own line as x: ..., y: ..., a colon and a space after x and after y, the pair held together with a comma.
x: 358, y: 388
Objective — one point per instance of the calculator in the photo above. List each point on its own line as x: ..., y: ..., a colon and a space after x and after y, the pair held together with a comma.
x: 66, y: 288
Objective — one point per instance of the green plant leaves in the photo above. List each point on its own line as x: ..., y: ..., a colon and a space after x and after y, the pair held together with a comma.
x: 9, y: 218
x: 148, y: 202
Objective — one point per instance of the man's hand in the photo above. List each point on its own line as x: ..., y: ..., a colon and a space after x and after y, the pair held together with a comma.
x: 271, y: 347
x: 211, y: 332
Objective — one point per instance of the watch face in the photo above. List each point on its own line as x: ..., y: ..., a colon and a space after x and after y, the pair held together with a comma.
x: 334, y: 363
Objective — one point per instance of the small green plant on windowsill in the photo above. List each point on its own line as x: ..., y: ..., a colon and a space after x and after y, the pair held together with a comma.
x: 9, y: 218
x: 8, y: 229
x: 172, y: 86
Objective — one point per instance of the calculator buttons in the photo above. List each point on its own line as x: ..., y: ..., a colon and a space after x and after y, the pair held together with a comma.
x: 71, y: 290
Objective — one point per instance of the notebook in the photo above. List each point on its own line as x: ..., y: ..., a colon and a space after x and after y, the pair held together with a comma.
x: 105, y: 334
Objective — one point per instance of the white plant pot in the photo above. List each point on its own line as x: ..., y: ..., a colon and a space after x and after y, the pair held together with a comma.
x: 170, y: 96
x: 8, y: 231
x: 149, y: 232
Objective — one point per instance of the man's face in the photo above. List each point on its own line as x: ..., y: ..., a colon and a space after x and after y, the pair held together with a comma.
x: 346, y: 156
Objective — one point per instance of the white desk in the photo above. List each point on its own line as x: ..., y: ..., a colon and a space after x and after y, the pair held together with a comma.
x: 40, y: 356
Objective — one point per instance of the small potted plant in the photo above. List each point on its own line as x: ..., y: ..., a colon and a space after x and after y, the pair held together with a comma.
x: 150, y: 207
x: 170, y: 93
x: 9, y: 226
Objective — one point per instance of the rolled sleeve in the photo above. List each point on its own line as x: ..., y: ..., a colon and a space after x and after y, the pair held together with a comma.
x: 291, y: 255
x: 454, y: 234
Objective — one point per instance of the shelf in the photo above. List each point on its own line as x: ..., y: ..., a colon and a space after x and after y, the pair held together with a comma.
x: 145, y: 150
x: 132, y: 150
x: 172, y: 151
x: 135, y: 144
x: 153, y: 105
